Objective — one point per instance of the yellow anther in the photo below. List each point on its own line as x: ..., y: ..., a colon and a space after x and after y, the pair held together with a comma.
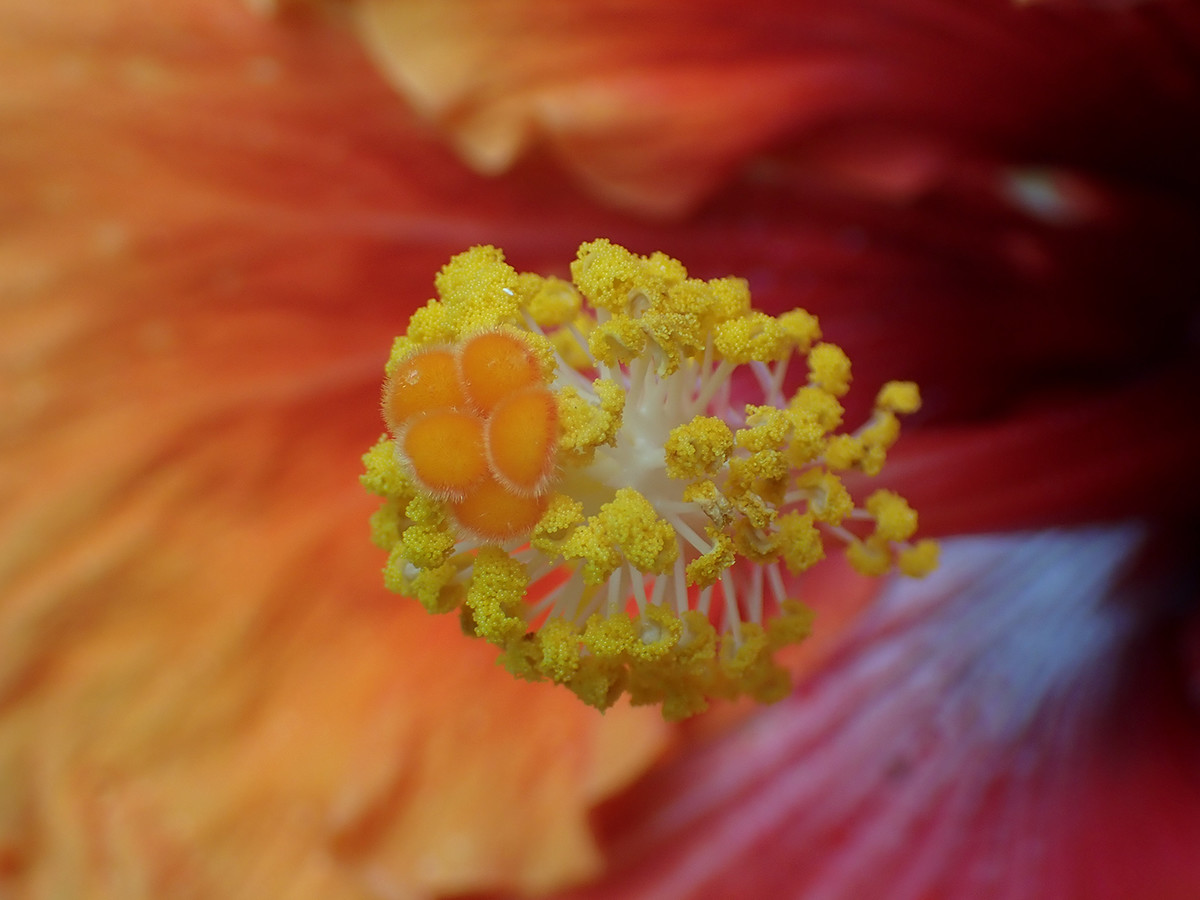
x: 672, y: 337
x: 634, y: 527
x: 612, y: 278
x: 899, y: 397
x: 753, y: 337
x: 829, y: 368
x: 801, y: 328
x: 427, y: 546
x: 384, y: 475
x: 757, y: 508
x: 658, y: 631
x: 819, y: 406
x: 704, y: 570
x: 828, y: 499
x: 576, y: 470
x: 599, y: 682
x: 560, y: 643
x: 794, y: 624
x: 438, y: 590
x: 801, y: 542
x: 882, y: 432
x: 844, y: 451
x: 763, y: 472
x: 552, y: 301
x: 698, y: 448
x: 919, y: 560
x: 626, y: 529
x: 590, y: 548
x: 749, y: 656
x: 895, y: 520
x: 495, y: 595
x: 759, y: 543
x: 587, y: 424
x: 711, y: 501
x: 557, y: 523
x: 869, y: 557
x: 618, y: 340
x: 767, y: 428
x: 425, y: 509
x: 478, y: 291
x: 385, y: 523
x: 609, y: 637
x: 730, y: 299
x: 430, y: 325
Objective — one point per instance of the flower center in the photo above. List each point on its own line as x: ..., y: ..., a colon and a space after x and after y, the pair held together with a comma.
x: 566, y: 467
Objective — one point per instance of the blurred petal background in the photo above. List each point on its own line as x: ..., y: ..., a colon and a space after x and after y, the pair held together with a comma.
x: 215, y: 217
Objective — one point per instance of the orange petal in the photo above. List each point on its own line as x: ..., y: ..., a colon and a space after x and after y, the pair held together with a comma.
x: 650, y: 104
x: 655, y: 105
x: 212, y: 222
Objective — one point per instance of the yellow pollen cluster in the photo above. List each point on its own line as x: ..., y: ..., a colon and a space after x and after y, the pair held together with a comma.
x: 566, y: 467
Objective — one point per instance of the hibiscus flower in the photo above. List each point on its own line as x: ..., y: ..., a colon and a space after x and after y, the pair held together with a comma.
x: 215, y: 224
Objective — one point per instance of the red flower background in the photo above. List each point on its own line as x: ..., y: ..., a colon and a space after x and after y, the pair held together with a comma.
x: 214, y: 224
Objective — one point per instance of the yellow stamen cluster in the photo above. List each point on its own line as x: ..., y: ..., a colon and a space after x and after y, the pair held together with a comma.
x: 567, y: 467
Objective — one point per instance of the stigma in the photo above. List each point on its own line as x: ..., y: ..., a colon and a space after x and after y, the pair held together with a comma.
x: 608, y: 480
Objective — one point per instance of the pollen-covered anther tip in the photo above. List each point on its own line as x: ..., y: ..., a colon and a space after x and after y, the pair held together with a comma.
x: 899, y: 397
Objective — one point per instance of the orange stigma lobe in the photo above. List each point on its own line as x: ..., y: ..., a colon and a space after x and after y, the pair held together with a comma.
x: 446, y: 451
x: 420, y: 384
x: 521, y: 437
x: 495, y: 364
x: 492, y: 512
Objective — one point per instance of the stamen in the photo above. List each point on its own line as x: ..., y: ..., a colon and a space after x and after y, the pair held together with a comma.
x: 565, y: 467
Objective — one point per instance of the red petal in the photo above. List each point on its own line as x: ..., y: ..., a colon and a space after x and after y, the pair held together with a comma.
x: 654, y: 105
x: 1015, y: 726
x: 1127, y: 451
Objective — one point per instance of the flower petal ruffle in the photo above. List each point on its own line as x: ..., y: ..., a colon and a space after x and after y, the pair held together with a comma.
x: 655, y: 105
